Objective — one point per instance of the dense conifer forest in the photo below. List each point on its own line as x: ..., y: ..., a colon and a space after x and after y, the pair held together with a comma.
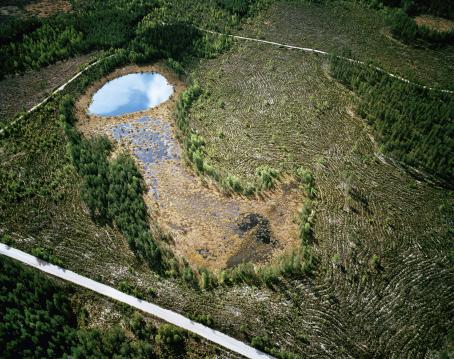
x: 38, y: 320
x: 405, y: 28
x: 414, y: 125
x: 413, y: 7
x: 148, y: 28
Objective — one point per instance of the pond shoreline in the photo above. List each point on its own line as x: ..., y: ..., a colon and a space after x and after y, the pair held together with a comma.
x: 203, y: 223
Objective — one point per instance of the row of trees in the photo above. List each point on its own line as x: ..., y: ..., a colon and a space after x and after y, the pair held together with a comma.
x: 112, y: 190
x: 405, y: 28
x: 307, y: 214
x: 37, y: 320
x: 413, y: 125
x: 149, y: 29
x: 441, y: 8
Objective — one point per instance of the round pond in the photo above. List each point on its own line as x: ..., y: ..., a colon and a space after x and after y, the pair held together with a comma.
x: 130, y: 93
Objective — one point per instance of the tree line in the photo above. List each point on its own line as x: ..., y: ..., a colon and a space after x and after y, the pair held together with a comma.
x: 148, y: 29
x: 405, y: 28
x: 413, y: 125
x: 441, y: 8
x: 112, y: 189
x: 38, y: 320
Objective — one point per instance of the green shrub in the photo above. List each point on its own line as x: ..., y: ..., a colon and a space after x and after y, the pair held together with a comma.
x: 262, y: 343
x: 249, y: 189
x: 206, y: 279
x: 128, y: 288
x: 204, y: 319
x: 306, y: 177
x: 170, y: 336
x: 188, y: 275
x: 46, y: 255
x: 269, y: 275
x: 175, y: 66
x: 267, y: 175
x: 244, y: 273
x: 298, y: 262
x: 233, y: 183
x: 6, y: 239
x: 141, y: 329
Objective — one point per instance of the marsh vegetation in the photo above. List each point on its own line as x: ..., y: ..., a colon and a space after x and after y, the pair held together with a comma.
x: 325, y: 145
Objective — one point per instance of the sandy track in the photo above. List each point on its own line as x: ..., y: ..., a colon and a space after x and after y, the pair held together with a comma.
x: 315, y: 51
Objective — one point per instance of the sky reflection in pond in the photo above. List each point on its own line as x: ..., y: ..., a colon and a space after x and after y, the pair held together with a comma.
x: 130, y: 93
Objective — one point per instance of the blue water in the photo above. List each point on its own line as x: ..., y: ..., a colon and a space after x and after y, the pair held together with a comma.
x: 130, y: 93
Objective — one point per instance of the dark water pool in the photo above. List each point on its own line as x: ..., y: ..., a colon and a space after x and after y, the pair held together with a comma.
x: 152, y: 143
x: 130, y: 93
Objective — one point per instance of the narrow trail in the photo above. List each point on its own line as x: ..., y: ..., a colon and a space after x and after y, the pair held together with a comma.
x: 61, y: 88
x: 164, y: 314
x: 305, y: 49
x: 315, y: 51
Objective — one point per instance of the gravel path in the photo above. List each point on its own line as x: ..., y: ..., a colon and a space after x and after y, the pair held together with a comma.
x: 164, y: 314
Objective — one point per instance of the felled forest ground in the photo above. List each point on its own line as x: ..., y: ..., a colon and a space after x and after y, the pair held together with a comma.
x: 382, y: 235
x: 384, y: 286
x: 22, y: 92
x: 338, y: 26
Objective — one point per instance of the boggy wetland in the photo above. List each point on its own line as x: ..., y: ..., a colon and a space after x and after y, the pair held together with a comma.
x: 207, y: 227
x: 278, y: 172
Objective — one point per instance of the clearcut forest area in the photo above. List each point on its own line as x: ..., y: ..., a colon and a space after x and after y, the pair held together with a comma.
x: 201, y: 156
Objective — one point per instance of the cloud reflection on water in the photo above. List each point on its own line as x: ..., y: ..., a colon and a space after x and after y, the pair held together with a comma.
x: 130, y: 93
